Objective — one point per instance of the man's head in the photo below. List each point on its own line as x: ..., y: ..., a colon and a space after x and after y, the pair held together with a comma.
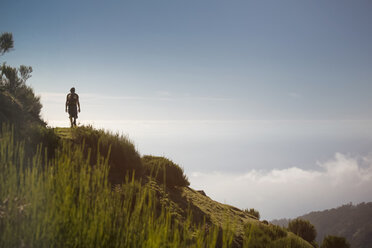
x: 72, y: 90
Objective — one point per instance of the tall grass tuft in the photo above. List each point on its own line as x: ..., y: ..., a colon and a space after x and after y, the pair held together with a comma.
x: 253, y: 212
x: 165, y: 171
x: 123, y: 157
x: 69, y: 203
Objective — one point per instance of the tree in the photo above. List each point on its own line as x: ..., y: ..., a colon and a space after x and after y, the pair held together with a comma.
x: 334, y: 242
x: 304, y: 229
x: 6, y: 42
x: 14, y: 93
x: 12, y: 78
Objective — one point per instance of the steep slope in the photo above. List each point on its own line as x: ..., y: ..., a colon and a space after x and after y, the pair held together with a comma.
x: 184, y: 204
x: 350, y: 221
x: 183, y: 200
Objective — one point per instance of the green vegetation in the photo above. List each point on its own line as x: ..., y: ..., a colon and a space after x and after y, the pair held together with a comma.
x: 18, y: 103
x: 304, y: 229
x: 69, y: 203
x: 6, y: 42
x: 64, y: 132
x: 165, y: 171
x: 121, y: 153
x: 253, y: 212
x: 15, y: 92
x: 334, y: 242
x: 262, y: 235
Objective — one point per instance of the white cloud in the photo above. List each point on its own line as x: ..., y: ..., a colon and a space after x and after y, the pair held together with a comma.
x: 293, y: 191
x: 61, y: 97
x: 57, y: 97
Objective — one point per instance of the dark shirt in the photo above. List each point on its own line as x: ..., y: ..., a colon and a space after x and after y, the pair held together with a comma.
x: 72, y: 99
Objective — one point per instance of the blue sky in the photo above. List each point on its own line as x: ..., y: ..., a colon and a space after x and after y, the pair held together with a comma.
x: 228, y: 87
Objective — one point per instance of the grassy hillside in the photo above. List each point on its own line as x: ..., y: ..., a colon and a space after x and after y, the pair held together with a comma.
x: 67, y: 202
x: 171, y: 186
x: 67, y: 198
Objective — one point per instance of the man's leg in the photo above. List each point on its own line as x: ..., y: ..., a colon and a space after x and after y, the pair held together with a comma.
x: 75, y: 121
x: 71, y: 121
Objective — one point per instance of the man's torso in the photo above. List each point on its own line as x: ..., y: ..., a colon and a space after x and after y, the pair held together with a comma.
x: 72, y: 99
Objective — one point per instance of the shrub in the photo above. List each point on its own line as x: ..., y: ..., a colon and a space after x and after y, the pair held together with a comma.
x: 20, y: 110
x: 44, y: 136
x: 31, y: 103
x: 303, y: 228
x: 253, y: 212
x: 122, y: 155
x: 265, y: 236
x: 34, y: 137
x: 165, y: 171
x: 334, y: 242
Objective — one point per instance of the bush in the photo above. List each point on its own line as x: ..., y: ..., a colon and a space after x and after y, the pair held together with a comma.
x: 303, y: 228
x: 165, y: 171
x: 253, y: 212
x: 257, y: 236
x: 34, y: 137
x: 31, y: 103
x: 334, y: 242
x: 122, y: 155
x: 20, y: 110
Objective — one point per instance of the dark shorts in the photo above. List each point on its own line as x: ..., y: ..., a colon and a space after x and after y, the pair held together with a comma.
x: 72, y: 110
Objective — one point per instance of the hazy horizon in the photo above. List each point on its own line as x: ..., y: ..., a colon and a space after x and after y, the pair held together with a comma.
x: 265, y: 104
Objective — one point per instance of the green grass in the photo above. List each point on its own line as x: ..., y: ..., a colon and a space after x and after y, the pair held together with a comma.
x: 271, y: 236
x: 69, y: 203
x: 64, y: 132
x: 123, y: 156
x: 165, y: 171
x: 68, y: 200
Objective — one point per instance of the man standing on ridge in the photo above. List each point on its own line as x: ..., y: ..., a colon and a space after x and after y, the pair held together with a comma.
x: 72, y: 102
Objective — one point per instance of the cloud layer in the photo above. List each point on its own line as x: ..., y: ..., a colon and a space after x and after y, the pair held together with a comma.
x: 293, y: 191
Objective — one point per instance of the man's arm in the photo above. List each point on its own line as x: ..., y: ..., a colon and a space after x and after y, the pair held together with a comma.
x: 66, y: 103
x: 78, y: 103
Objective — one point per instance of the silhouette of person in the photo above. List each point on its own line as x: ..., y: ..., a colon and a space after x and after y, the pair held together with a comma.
x: 72, y: 104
